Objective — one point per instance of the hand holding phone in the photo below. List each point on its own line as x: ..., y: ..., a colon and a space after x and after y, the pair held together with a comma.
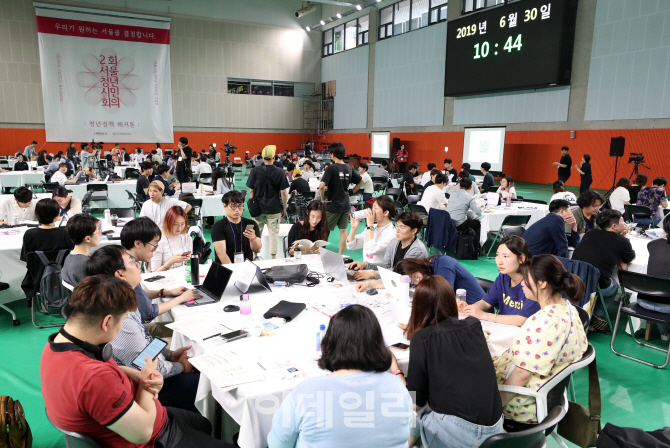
x: 401, y: 346
x: 151, y: 351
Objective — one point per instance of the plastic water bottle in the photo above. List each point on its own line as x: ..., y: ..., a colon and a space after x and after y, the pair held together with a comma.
x: 245, y: 307
x: 188, y: 271
x: 461, y: 295
x: 509, y: 201
x: 319, y: 338
x: 403, y: 291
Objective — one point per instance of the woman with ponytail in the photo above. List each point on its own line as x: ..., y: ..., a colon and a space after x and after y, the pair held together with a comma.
x: 549, y: 341
x: 659, y: 259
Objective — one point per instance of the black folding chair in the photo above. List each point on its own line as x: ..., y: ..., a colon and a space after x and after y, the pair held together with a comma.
x: 393, y: 193
x: 132, y: 173
x: 639, y: 212
x: 49, y: 186
x: 122, y: 212
x: 485, y: 284
x: 535, y: 201
x: 493, y: 237
x: 195, y: 214
x: 530, y: 438
x: 654, y: 289
x: 76, y: 439
x: 100, y: 192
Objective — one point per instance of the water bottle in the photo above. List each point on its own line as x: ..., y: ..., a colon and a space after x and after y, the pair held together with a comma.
x: 509, y: 200
x: 297, y: 253
x: 195, y: 269
x: 319, y: 338
x: 188, y: 271
x: 461, y: 295
x: 245, y: 307
x: 16, y: 220
x: 403, y: 291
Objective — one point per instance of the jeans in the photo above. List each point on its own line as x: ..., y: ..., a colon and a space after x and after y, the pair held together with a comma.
x: 647, y: 221
x: 608, y: 295
x: 659, y: 308
x: 448, y: 431
x: 187, y: 429
x: 272, y: 221
x: 179, y: 391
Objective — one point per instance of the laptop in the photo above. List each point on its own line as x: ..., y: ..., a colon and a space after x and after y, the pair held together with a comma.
x: 80, y: 178
x: 212, y: 288
x: 333, y: 266
x: 245, y: 283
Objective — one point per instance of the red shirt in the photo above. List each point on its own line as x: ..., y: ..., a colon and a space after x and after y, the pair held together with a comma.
x: 402, y: 156
x: 86, y: 395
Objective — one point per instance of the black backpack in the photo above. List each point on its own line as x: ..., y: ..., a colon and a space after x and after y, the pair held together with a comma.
x: 53, y: 295
x: 466, y: 249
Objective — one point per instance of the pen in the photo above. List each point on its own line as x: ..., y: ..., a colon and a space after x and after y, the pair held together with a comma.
x: 212, y: 336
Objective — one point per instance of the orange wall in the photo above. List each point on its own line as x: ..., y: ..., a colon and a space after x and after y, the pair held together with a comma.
x: 529, y: 154
x: 13, y: 139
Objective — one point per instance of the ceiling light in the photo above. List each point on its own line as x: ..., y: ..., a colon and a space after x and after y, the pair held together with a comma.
x: 308, y: 28
x: 379, y: 1
x: 323, y: 23
x: 358, y: 7
x: 339, y: 16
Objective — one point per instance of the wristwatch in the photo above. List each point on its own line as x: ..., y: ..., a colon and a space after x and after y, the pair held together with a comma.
x: 370, y: 227
x: 398, y: 372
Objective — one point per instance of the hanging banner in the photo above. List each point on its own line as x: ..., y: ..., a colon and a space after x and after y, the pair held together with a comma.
x: 105, y: 75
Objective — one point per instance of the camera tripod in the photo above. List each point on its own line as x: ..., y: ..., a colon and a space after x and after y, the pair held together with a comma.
x: 395, y: 168
x: 636, y: 171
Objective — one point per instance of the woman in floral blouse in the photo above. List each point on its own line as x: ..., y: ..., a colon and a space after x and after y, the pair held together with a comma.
x: 549, y: 341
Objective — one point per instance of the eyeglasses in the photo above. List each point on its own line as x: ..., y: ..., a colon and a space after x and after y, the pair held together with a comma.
x: 155, y: 246
x: 135, y: 260
x: 238, y: 208
x: 179, y: 225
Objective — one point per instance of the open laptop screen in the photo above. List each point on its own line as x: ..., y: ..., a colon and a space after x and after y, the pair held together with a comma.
x: 217, y: 279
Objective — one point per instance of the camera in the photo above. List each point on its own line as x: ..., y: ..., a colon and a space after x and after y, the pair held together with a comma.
x: 636, y: 157
x: 228, y: 148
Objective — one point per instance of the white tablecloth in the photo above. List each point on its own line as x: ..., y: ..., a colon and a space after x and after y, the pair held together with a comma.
x: 252, y: 405
x: 211, y: 205
x: 493, y: 219
x: 12, y: 268
x: 640, y: 263
x: 118, y: 198
x: 19, y: 178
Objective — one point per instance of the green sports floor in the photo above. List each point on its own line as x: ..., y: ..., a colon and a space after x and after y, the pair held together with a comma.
x: 632, y: 394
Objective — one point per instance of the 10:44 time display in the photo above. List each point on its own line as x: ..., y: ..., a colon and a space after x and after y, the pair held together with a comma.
x: 482, y: 51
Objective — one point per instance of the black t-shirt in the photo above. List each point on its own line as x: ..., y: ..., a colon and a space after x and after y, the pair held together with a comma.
x: 46, y: 240
x: 231, y: 233
x: 21, y: 166
x: 267, y: 181
x: 142, y: 183
x: 634, y: 191
x: 603, y: 249
x: 337, y: 178
x: 451, y: 171
x: 586, y: 169
x: 185, y: 165
x: 565, y: 160
x: 300, y: 185
x: 400, y: 252
x: 295, y: 234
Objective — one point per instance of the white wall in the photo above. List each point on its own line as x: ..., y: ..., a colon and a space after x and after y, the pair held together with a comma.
x: 350, y: 70
x: 409, y: 78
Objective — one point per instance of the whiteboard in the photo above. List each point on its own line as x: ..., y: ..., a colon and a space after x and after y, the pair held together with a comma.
x: 484, y: 145
x: 381, y: 145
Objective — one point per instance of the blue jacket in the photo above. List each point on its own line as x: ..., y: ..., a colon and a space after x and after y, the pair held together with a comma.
x: 458, y: 277
x: 441, y: 231
x: 589, y: 275
x: 547, y: 236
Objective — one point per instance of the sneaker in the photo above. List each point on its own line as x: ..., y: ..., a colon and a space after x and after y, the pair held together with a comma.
x: 665, y: 337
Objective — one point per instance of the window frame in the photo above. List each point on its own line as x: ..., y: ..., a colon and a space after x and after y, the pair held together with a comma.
x: 391, y: 24
x: 327, y: 49
x: 362, y: 36
x: 485, y: 5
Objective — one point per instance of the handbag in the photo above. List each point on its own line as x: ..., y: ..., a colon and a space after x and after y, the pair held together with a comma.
x: 254, y: 204
x: 286, y: 273
x: 465, y: 246
x: 580, y: 425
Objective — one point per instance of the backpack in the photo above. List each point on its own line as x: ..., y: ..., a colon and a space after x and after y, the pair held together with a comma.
x: 465, y: 245
x: 53, y: 295
x: 13, y: 420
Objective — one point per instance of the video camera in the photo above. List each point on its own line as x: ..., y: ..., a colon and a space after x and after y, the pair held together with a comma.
x: 95, y: 145
x: 636, y: 157
x: 228, y: 148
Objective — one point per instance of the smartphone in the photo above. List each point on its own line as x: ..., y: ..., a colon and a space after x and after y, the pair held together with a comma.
x: 185, y: 253
x: 155, y: 347
x: 154, y: 278
x: 400, y: 346
x: 249, y: 227
x: 372, y: 291
x: 234, y: 335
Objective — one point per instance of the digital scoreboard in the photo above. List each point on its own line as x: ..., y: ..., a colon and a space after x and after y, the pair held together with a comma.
x: 524, y: 44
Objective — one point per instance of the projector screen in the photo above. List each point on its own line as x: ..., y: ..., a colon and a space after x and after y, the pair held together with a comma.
x: 381, y: 144
x: 484, y: 145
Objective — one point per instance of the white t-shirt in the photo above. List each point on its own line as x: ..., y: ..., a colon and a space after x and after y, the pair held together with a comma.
x: 433, y: 197
x: 368, y: 187
x: 10, y: 207
x: 566, y: 196
x: 168, y: 247
x: 425, y: 178
x: 58, y: 177
x: 504, y: 193
x: 374, y: 249
x: 618, y: 197
x: 203, y: 167
x: 157, y: 211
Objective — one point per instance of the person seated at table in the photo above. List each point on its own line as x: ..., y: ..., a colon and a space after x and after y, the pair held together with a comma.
x: 506, y: 188
x: 88, y: 172
x: 637, y: 185
x: 60, y: 177
x: 448, y: 169
x: 290, y: 169
x: 451, y: 371
x: 158, y: 205
x: 84, y: 231
x: 433, y: 196
x: 368, y: 187
x: 652, y: 197
x: 20, y: 165
x: 180, y: 383
x: 355, y: 353
x: 466, y: 167
x: 620, y: 197
x: 142, y: 186
x: 408, y: 225
x: 472, y: 191
x: 375, y: 238
x: 162, y: 173
x: 549, y: 341
x: 561, y: 193
x: 52, y: 167
x: 606, y: 248
x: 506, y: 293
x: 46, y: 237
x: 21, y: 205
x: 446, y: 267
x: 172, y: 163
x: 41, y: 158
x: 380, y: 171
x: 464, y: 210
x: 88, y: 392
x: 589, y: 204
x: 659, y: 260
x: 488, y: 181
x: 547, y: 236
x: 434, y: 172
x: 219, y: 182
x: 202, y: 167
x: 308, y: 168
x: 298, y: 185
x: 313, y: 227
x: 140, y: 238
x: 175, y: 246
x: 235, y: 238
x: 408, y: 182
x: 69, y: 205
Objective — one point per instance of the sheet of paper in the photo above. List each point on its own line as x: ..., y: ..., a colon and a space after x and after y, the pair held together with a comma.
x: 198, y: 329
x: 226, y: 369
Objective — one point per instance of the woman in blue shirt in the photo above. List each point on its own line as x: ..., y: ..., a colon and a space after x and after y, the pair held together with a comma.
x: 506, y: 293
x: 358, y: 404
